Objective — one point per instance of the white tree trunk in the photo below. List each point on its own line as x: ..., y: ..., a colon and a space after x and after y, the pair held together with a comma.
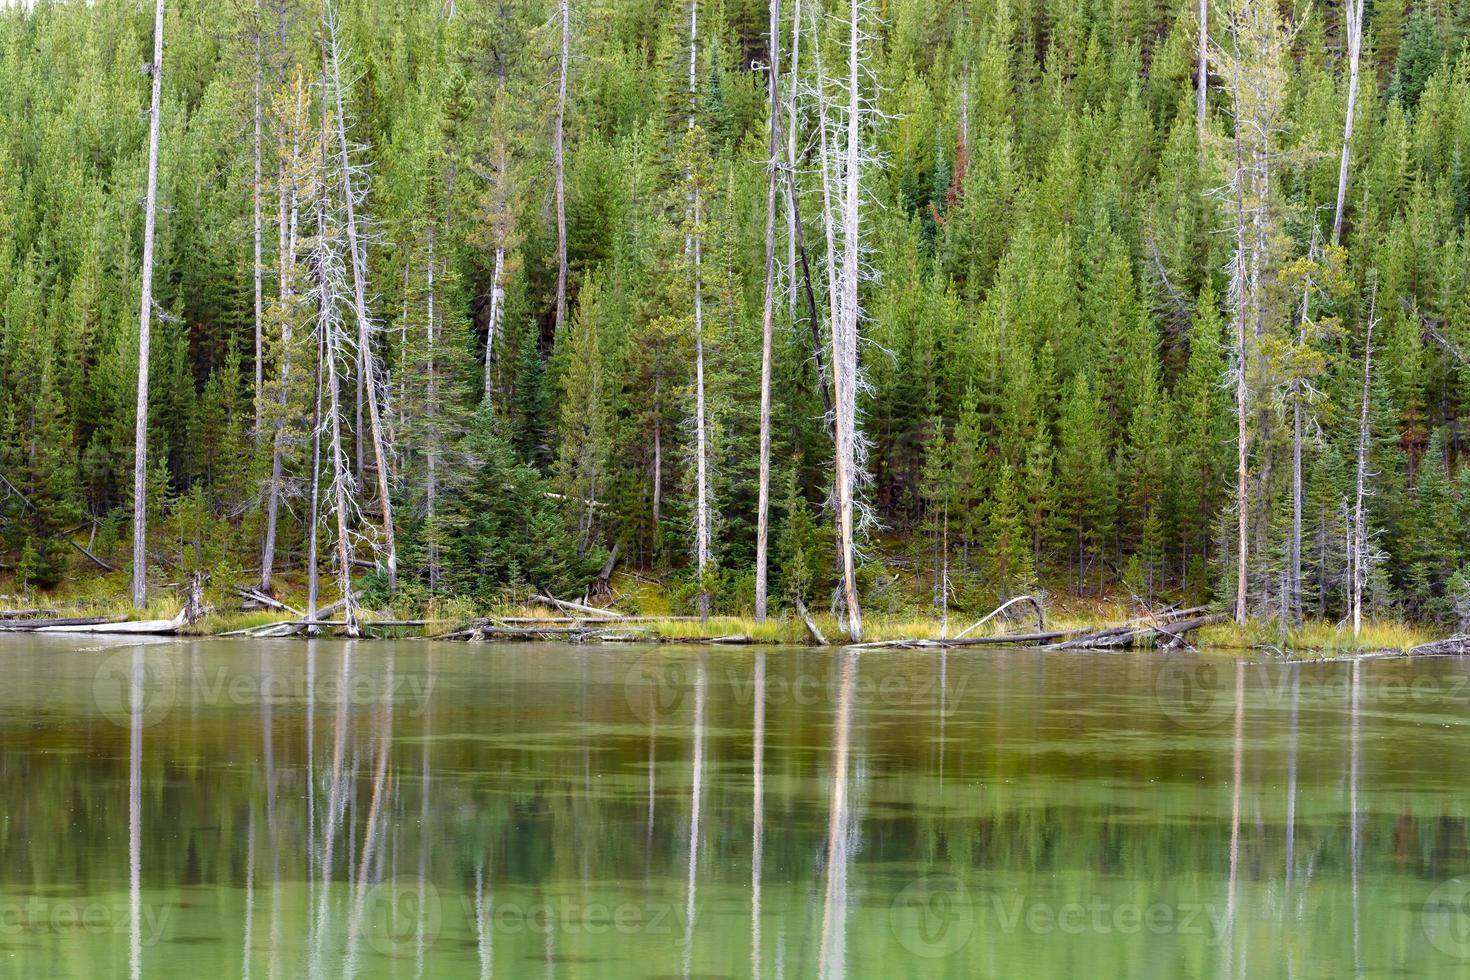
x: 287, y: 261
x: 1202, y: 84
x: 497, y: 300
x: 845, y: 328
x: 763, y: 507
x: 140, y: 434
x: 1360, y: 535
x: 701, y: 450
x: 1242, y: 422
x: 259, y: 288
x: 791, y: 215
x: 559, y: 162
x: 366, y: 372
x: 431, y: 410
x: 1355, y: 48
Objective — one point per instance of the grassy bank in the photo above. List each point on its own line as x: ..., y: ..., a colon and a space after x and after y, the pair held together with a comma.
x: 107, y: 596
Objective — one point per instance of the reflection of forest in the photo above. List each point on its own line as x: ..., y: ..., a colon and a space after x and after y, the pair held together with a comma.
x: 505, y: 807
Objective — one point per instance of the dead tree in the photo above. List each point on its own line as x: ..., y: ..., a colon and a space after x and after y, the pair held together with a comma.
x: 762, y: 532
x: 367, y: 374
x: 1355, y: 48
x: 140, y: 435
x: 287, y: 260
x: 259, y: 287
x: 1359, y: 554
x: 701, y: 440
x: 559, y: 164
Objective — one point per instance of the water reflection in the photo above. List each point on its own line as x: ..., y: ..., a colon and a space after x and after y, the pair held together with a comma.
x: 330, y: 809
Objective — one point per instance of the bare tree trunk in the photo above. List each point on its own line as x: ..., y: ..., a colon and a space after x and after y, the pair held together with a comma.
x: 799, y: 238
x: 845, y: 328
x: 287, y: 261
x: 793, y: 219
x: 1242, y: 422
x: 764, y: 493
x: 559, y: 161
x: 1360, y: 536
x: 259, y: 289
x: 431, y: 410
x: 497, y: 299
x: 701, y: 461
x: 658, y: 441
x: 1202, y: 86
x: 140, y: 435
x: 314, y: 508
x: 364, y: 333
x: 1294, y: 601
x: 1355, y: 48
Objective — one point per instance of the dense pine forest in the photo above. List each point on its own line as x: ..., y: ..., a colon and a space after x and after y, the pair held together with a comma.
x: 930, y: 303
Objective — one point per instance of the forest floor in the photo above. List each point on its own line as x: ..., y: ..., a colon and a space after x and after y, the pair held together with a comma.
x: 909, y: 618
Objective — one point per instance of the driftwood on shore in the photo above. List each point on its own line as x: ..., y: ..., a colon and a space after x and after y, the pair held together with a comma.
x: 33, y: 625
x: 1171, y: 627
x: 1455, y: 646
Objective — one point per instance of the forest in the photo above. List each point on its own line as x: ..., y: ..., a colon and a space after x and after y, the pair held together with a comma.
x: 857, y: 304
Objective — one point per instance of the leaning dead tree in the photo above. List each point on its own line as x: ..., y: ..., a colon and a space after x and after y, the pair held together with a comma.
x: 366, y: 368
x: 762, y: 531
x: 1355, y: 48
x: 140, y: 435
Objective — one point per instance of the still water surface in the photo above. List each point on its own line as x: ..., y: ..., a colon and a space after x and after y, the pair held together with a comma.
x: 282, y: 809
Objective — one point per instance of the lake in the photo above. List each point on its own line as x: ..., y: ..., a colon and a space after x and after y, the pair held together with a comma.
x: 409, y: 809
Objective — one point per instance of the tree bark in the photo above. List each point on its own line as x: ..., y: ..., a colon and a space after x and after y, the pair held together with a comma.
x: 140, y: 435
x: 364, y: 332
x: 793, y: 219
x: 764, y: 493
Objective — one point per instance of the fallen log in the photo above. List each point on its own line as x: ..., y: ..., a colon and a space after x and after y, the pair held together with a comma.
x: 1004, y: 639
x: 811, y: 625
x: 1040, y: 614
x: 578, y: 607
x: 1455, y: 646
x: 1124, y: 637
x: 25, y: 613
x: 35, y: 625
x: 143, y: 627
x: 256, y: 596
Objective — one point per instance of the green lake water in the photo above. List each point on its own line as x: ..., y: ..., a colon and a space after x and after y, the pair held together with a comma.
x: 282, y: 809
